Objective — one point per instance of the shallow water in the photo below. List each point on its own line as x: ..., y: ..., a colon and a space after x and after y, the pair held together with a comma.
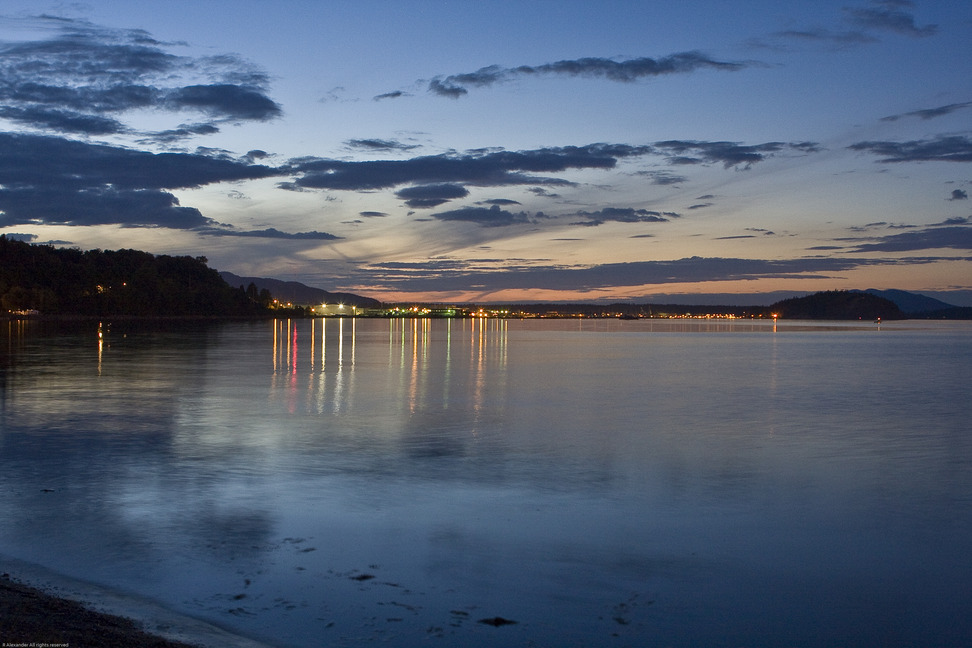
x: 336, y: 482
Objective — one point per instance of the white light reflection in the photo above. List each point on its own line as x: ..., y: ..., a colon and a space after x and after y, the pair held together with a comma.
x: 448, y: 365
x: 101, y: 345
x: 420, y: 350
x: 275, y: 325
x: 313, y: 338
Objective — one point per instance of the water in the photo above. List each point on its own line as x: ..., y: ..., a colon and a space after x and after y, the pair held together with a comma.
x: 612, y: 483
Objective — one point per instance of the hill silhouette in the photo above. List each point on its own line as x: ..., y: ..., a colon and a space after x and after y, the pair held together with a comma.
x: 922, y: 307
x: 68, y: 281
x: 298, y: 293
x: 838, y: 305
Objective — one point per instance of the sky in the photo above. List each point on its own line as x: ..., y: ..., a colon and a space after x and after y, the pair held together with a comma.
x: 501, y: 151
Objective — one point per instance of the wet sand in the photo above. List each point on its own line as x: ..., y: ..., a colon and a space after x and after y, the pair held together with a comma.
x: 29, y: 617
x: 44, y: 609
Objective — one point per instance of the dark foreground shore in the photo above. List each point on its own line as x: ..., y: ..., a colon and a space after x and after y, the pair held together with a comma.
x: 29, y: 617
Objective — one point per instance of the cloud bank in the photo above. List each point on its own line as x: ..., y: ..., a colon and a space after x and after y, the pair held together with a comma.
x: 51, y: 180
x: 478, y: 168
x: 495, y: 168
x: 427, y: 196
x: 453, y: 275
x: 84, y: 78
x: 729, y: 154
x: 954, y: 234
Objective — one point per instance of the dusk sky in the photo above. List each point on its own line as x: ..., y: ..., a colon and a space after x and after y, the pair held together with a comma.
x: 501, y: 151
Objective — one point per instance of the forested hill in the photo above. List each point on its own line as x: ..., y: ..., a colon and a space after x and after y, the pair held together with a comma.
x: 61, y: 281
x: 838, y: 305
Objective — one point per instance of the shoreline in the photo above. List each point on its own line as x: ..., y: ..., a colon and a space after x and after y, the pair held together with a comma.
x: 31, y: 618
x: 39, y: 608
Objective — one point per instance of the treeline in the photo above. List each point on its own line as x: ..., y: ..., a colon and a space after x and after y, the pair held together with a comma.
x: 62, y: 281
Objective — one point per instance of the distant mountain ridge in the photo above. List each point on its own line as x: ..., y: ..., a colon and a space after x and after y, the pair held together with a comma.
x: 298, y: 293
x: 910, y: 302
x: 916, y: 306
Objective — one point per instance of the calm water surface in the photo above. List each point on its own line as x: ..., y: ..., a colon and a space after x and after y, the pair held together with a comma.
x: 602, y: 483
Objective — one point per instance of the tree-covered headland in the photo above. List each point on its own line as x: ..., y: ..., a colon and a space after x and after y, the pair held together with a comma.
x: 838, y: 305
x: 99, y: 283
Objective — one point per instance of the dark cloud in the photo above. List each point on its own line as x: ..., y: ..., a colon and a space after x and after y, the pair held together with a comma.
x: 729, y: 154
x: 624, y: 215
x: 64, y: 121
x: 700, y: 205
x: 625, y: 71
x: 881, y: 224
x: 182, y: 132
x: 952, y: 148
x: 945, y: 237
x: 26, y: 238
x: 224, y: 101
x: 97, y: 206
x: 502, y: 202
x: 869, y: 226
x: 888, y: 16
x: 84, y: 77
x: 42, y: 161
x: 543, y: 192
x: 664, y: 178
x: 930, y: 113
x: 485, y: 217
x: 53, y: 180
x: 959, y: 194
x: 254, y: 155
x: 958, y: 220
x: 480, y: 168
x: 497, y: 167
x: 270, y: 233
x: 390, y: 95
x: 379, y: 145
x: 445, y: 89
x: 433, y: 195
x: 372, y: 214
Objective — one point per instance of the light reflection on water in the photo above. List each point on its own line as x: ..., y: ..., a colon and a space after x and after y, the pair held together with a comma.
x: 640, y: 483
